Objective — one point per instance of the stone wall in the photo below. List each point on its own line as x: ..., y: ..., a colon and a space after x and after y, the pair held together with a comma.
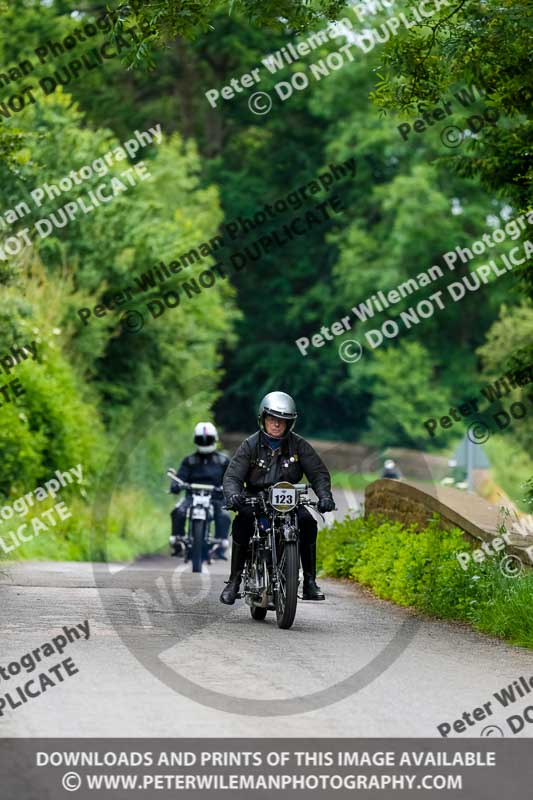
x: 358, y: 458
x: 409, y: 503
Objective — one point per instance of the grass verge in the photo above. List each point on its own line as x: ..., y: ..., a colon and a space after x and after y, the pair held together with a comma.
x: 133, y: 525
x: 352, y: 480
x: 419, y: 568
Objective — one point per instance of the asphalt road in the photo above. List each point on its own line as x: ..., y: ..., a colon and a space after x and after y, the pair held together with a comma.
x: 165, y: 658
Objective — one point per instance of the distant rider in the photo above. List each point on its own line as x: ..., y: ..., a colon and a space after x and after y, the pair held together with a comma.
x: 270, y: 455
x: 390, y: 470
x: 203, y: 466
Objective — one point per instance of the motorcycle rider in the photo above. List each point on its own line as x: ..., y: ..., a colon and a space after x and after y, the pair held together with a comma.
x: 390, y: 470
x: 203, y: 466
x: 274, y: 453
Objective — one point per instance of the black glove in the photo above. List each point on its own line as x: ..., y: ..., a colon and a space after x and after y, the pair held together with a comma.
x: 175, y: 487
x: 326, y: 504
x: 236, y: 502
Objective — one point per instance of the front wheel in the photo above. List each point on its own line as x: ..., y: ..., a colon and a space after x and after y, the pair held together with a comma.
x: 258, y: 612
x: 197, y: 544
x: 287, y: 593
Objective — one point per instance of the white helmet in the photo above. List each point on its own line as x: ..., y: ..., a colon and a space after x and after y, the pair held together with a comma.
x: 389, y: 464
x: 205, y: 437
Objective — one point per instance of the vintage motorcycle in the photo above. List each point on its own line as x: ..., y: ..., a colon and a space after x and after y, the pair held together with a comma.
x: 270, y: 575
x: 198, y: 543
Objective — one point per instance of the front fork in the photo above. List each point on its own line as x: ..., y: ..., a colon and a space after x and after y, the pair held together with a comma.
x: 255, y: 560
x: 287, y: 532
x: 186, y: 541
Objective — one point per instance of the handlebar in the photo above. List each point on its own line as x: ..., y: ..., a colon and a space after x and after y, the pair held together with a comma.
x: 301, y: 488
x: 254, y: 501
x: 259, y: 499
x: 192, y: 486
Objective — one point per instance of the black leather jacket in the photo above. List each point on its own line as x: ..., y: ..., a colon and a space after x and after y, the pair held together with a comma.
x: 256, y: 466
x: 206, y: 468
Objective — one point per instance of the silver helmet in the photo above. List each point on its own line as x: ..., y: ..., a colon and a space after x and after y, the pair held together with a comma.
x: 277, y: 404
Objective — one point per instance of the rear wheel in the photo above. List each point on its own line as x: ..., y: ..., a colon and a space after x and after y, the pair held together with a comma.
x: 258, y: 612
x: 287, y: 593
x: 198, y: 526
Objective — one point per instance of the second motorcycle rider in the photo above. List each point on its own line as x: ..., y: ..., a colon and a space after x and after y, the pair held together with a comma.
x: 203, y: 466
x: 274, y: 453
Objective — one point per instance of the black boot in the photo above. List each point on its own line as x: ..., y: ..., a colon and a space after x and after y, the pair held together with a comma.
x: 178, y: 533
x: 176, y: 547
x: 308, y: 555
x: 238, y: 560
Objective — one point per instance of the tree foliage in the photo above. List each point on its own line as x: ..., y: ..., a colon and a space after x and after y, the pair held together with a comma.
x: 162, y: 20
x: 464, y: 43
x: 409, y: 202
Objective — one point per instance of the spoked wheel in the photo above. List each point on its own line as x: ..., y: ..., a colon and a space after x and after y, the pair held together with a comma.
x: 258, y: 612
x: 197, y: 544
x: 287, y: 594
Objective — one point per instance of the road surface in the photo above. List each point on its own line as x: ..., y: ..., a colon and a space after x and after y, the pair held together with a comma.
x: 165, y: 658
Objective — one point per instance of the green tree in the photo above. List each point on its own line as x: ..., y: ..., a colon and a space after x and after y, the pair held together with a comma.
x: 406, y: 391
x: 55, y: 423
x: 116, y: 242
x: 94, y: 380
x: 162, y: 20
x: 472, y: 42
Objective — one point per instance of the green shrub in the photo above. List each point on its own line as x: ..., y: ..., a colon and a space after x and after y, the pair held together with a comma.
x: 419, y: 568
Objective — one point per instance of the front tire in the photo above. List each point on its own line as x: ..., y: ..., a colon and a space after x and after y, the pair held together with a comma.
x: 258, y: 612
x: 287, y: 593
x: 197, y: 544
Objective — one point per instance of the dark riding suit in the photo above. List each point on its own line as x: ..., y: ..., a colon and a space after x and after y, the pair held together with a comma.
x: 256, y: 466
x: 393, y: 474
x: 206, y: 468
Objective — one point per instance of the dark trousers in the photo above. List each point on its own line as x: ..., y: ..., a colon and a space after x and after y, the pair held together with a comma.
x: 222, y: 518
x: 243, y: 526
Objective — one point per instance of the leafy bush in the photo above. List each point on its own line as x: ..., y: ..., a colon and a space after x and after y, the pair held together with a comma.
x: 135, y: 525
x: 52, y: 425
x: 419, y: 568
x: 91, y: 385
